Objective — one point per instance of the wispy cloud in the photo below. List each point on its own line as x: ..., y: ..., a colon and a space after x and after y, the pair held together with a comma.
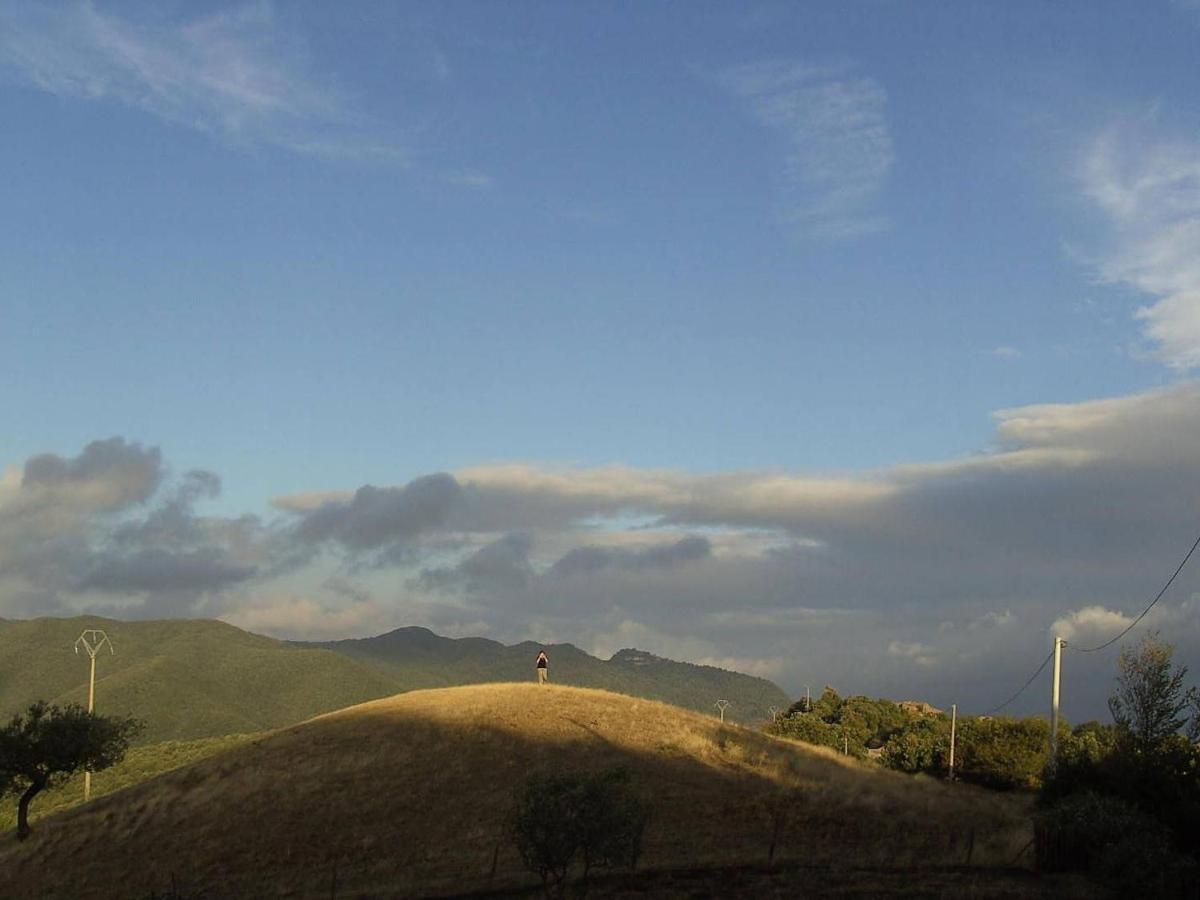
x: 1149, y: 191
x: 839, y: 147
x: 1004, y: 351
x: 233, y: 74
x: 469, y: 178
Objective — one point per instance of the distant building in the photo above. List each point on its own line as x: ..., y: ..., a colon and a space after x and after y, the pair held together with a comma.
x: 918, y: 708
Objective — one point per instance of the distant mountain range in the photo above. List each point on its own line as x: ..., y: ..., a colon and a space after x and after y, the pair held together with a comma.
x: 199, y: 678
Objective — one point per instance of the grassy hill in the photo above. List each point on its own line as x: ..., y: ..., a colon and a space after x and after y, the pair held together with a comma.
x: 186, y: 678
x: 140, y: 764
x: 407, y: 796
x: 418, y: 658
x: 190, y: 679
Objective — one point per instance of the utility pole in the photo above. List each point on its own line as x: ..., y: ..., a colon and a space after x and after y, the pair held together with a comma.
x: 721, y: 704
x: 1059, y: 643
x: 953, y: 723
x: 92, y: 640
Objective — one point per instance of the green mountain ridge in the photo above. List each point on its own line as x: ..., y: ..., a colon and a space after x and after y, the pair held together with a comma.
x: 427, y: 660
x: 191, y: 678
x: 184, y: 678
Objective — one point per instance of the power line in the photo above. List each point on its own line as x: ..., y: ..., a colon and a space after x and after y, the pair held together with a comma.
x: 1170, y: 581
x: 1036, y: 673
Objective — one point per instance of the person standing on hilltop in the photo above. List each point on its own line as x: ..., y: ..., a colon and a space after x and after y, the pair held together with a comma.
x: 543, y: 664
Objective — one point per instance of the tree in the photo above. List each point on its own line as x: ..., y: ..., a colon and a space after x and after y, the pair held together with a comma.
x: 828, y: 706
x: 810, y: 729
x: 920, y: 747
x: 46, y: 745
x: 598, y: 818
x: 1149, y: 703
x: 1003, y: 753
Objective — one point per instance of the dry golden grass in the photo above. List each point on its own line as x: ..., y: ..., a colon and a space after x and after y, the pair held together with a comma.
x: 408, y: 795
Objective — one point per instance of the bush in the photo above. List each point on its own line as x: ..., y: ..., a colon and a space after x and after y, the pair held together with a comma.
x: 1113, y: 840
x: 923, y: 746
x: 811, y: 729
x: 1004, y: 753
x: 596, y: 818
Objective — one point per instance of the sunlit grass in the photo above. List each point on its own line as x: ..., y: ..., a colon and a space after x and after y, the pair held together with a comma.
x: 408, y: 796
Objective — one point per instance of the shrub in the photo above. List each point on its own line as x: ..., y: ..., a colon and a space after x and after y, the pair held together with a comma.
x: 1113, y: 840
x: 1004, y: 753
x: 921, y: 747
x: 597, y: 818
x: 808, y: 727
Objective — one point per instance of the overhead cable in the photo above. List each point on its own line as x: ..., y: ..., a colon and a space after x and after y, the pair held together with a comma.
x: 1036, y: 673
x: 1129, y: 628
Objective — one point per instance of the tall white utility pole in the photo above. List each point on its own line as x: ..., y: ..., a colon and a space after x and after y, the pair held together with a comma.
x: 1059, y: 643
x: 807, y: 699
x: 721, y: 704
x: 953, y: 723
x: 92, y: 640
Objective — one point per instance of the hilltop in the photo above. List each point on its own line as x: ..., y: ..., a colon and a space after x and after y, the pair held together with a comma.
x: 407, y: 796
x: 190, y: 679
x: 418, y: 658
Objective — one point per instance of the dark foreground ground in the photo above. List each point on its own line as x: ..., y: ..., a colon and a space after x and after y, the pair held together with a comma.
x: 788, y: 881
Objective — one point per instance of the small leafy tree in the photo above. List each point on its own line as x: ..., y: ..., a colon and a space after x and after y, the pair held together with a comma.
x: 828, y: 706
x: 543, y: 824
x: 922, y: 746
x: 598, y: 818
x: 1150, y: 704
x: 612, y: 821
x: 1004, y: 753
x: 809, y: 728
x: 46, y: 745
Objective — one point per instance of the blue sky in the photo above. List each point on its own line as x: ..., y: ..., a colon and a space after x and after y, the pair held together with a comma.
x: 312, y: 247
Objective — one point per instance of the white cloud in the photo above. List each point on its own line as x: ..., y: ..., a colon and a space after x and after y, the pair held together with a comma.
x: 1006, y: 352
x: 839, y: 147
x: 232, y: 74
x: 471, y: 178
x: 1091, y: 623
x: 762, y: 668
x: 1149, y: 191
x: 296, y: 616
x: 920, y: 654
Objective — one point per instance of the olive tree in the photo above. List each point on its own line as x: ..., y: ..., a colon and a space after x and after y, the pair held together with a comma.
x: 46, y: 745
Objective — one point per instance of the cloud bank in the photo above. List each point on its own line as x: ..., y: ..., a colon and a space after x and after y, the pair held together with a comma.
x: 943, y: 580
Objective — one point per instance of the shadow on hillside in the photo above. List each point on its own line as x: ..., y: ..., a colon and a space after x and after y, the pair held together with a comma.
x: 409, y: 799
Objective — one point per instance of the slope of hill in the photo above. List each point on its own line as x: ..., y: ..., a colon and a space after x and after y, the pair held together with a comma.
x: 418, y: 658
x: 407, y: 796
x: 140, y: 764
x: 185, y: 678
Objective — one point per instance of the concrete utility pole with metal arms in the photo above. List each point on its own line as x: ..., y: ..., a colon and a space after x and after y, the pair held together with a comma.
x: 92, y: 640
